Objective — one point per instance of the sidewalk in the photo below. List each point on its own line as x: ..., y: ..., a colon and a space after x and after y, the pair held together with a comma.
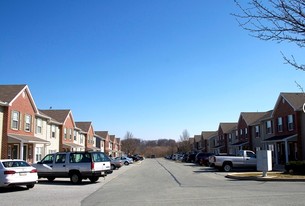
x: 271, y: 176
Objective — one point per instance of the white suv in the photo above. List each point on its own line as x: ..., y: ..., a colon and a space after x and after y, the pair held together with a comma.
x: 75, y: 165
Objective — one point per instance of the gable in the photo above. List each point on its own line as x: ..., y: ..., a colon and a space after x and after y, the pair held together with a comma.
x: 12, y: 95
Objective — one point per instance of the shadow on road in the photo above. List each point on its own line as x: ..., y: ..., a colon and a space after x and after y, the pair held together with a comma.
x: 65, y: 182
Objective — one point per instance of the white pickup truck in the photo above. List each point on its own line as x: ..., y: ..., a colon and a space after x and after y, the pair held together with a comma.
x: 74, y: 165
x: 244, y: 159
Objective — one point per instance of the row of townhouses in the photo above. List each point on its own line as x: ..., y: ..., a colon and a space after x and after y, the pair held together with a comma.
x: 281, y: 130
x: 29, y: 133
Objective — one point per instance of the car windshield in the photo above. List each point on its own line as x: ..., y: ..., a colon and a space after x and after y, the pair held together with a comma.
x: 8, y: 164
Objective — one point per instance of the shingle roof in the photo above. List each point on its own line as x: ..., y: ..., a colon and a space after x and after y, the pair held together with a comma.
x: 296, y: 100
x: 9, y: 92
x: 228, y: 126
x: 208, y: 134
x: 267, y: 115
x: 102, y: 133
x: 112, y: 138
x: 197, y: 138
x: 58, y: 115
x: 85, y: 126
x: 251, y: 117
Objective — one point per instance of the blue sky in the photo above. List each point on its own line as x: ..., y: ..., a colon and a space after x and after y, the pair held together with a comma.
x: 151, y: 67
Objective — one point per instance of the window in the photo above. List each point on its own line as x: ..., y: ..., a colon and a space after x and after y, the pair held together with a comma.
x: 241, y: 132
x: 269, y: 127
x: 65, y: 133
x: 60, y: 158
x: 9, y: 152
x: 257, y: 131
x: 236, y: 133
x: 70, y: 134
x: 81, y: 138
x: 246, y: 131
x: 28, y: 121
x: 75, y: 135
x: 47, y: 159
x: 290, y: 122
x: 53, y: 129
x: 38, y: 153
x: 279, y: 124
x: 39, y: 126
x: 230, y: 137
x: 15, y: 120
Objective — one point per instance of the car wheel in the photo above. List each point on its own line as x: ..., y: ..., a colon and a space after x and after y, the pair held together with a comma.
x: 93, y: 179
x: 30, y: 186
x: 126, y: 163
x: 51, y: 179
x: 75, y: 178
x: 227, y: 167
x: 113, y: 167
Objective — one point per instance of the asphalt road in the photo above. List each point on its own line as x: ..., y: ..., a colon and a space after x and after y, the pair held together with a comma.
x: 158, y: 182
x: 163, y: 182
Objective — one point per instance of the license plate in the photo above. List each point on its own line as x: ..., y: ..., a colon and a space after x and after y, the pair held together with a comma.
x: 22, y: 174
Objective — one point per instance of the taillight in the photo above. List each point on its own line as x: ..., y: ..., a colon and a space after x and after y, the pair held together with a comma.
x: 33, y: 171
x: 9, y: 172
x: 92, y: 165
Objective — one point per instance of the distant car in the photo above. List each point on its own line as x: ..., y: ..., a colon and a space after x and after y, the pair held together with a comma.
x: 115, y: 163
x: 126, y: 160
x: 202, y: 158
x: 191, y: 157
x: 17, y: 172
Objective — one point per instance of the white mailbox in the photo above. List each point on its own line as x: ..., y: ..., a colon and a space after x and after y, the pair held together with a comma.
x: 264, y: 161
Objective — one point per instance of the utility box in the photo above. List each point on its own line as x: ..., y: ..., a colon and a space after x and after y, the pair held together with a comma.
x: 264, y: 161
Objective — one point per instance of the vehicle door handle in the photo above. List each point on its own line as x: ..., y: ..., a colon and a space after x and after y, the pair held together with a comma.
x: 64, y: 166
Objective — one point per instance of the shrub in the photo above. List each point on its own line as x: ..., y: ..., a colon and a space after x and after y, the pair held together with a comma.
x: 295, y: 167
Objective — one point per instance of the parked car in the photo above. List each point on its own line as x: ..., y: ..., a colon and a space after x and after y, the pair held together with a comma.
x: 202, y: 158
x: 115, y: 163
x: 75, y: 165
x: 191, y: 157
x: 244, y: 159
x: 17, y: 172
x: 126, y: 160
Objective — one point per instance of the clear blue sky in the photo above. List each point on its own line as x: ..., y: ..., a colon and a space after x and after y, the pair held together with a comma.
x: 151, y: 67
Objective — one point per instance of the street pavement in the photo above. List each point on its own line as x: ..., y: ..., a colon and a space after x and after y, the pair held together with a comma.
x: 164, y: 182
x: 158, y: 182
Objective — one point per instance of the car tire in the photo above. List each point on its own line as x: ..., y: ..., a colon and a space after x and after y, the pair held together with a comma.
x: 93, y: 179
x: 227, y: 167
x: 51, y: 179
x: 75, y: 178
x: 30, y: 186
x: 126, y: 163
x: 113, y: 167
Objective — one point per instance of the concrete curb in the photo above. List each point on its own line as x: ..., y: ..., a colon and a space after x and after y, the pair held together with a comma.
x: 244, y: 176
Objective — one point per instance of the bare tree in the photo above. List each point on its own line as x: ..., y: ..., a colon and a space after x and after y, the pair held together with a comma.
x: 275, y: 20
x: 130, y: 144
x: 184, y: 144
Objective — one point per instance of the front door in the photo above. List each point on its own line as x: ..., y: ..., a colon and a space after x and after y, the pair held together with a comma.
x: 25, y: 152
x: 15, y: 151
